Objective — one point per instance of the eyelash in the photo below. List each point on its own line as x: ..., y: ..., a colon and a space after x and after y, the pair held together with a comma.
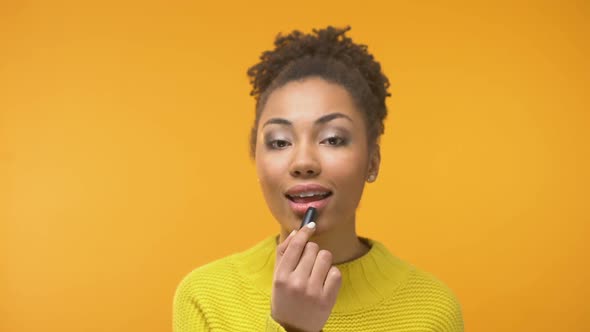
x: 273, y: 144
x: 340, y: 141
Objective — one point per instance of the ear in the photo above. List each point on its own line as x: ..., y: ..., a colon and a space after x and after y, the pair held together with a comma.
x: 374, y: 163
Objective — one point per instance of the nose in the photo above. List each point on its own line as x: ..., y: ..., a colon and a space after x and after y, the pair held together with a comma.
x: 305, y: 163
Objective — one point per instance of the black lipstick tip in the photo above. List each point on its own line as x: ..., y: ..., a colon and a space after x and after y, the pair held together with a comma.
x: 310, y: 215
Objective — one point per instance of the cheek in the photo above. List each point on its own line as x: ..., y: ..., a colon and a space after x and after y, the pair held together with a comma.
x: 348, y: 171
x: 269, y: 172
x: 349, y: 165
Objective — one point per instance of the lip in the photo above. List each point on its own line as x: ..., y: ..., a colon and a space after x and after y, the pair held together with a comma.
x: 300, y: 208
x: 300, y: 188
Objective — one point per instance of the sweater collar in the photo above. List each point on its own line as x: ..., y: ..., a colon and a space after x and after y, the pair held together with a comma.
x: 366, y: 280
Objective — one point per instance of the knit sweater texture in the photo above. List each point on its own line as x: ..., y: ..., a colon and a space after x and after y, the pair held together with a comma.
x: 379, y: 292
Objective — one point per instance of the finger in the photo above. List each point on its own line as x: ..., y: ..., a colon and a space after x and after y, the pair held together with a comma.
x: 283, y: 245
x: 321, y: 266
x: 292, y: 254
x: 307, y: 260
x: 332, y: 284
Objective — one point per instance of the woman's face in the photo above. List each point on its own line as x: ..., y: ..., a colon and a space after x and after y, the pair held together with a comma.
x: 311, y: 150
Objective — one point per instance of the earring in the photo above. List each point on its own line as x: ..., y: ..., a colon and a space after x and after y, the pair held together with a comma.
x: 371, y: 178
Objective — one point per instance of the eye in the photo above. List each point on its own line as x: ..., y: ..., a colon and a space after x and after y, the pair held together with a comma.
x: 334, y: 141
x: 278, y: 144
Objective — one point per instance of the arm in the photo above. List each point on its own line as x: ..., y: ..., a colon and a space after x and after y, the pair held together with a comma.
x: 454, y: 318
x: 187, y: 314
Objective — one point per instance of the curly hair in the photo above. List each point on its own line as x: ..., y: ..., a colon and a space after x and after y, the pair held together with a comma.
x: 331, y: 55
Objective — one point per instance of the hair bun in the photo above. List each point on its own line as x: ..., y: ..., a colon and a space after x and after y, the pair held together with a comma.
x: 331, y: 43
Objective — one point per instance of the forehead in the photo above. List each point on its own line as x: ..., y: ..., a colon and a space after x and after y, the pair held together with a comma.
x: 306, y: 100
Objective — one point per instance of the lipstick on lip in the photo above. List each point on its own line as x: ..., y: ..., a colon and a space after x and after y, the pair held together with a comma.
x: 311, y: 187
x: 303, y: 196
x: 310, y: 215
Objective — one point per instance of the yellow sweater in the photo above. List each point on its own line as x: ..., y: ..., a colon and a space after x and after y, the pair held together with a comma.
x: 379, y: 292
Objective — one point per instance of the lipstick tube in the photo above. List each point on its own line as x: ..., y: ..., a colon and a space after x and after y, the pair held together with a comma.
x: 310, y: 215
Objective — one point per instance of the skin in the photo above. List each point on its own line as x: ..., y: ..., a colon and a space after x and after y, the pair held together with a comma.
x: 310, y: 131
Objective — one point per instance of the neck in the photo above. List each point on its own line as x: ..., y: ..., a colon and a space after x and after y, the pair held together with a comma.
x: 342, y: 243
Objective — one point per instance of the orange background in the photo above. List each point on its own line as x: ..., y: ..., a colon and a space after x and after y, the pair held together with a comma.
x: 124, y: 153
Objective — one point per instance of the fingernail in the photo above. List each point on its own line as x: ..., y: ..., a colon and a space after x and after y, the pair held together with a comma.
x: 292, y: 233
x: 311, y: 225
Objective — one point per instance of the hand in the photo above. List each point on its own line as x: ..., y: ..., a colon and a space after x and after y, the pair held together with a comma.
x: 305, y: 283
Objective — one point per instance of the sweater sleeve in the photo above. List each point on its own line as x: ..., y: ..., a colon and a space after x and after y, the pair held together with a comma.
x: 187, y: 314
x: 453, y: 319
x: 273, y: 326
x: 456, y: 319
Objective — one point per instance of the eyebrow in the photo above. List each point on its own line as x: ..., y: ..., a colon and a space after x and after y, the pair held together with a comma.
x: 321, y: 120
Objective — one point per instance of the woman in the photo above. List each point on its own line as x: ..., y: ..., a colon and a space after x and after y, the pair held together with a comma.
x: 320, y: 107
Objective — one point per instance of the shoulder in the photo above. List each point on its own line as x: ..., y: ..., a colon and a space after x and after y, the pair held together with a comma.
x: 418, y: 295
x: 208, y: 279
x: 421, y: 284
x: 435, y: 299
x: 224, y: 276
